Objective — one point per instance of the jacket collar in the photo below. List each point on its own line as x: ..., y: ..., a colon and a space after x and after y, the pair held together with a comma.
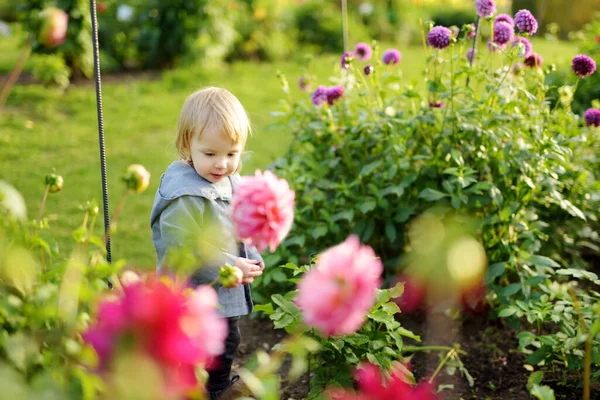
x: 181, y: 179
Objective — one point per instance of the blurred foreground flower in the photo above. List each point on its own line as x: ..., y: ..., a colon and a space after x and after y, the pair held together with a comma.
x: 363, y: 51
x: 137, y: 178
x: 54, y: 27
x: 373, y: 385
x: 336, y: 295
x: 11, y: 201
x: 230, y: 276
x: 534, y: 60
x: 262, y: 210
x: 391, y: 56
x: 591, y: 117
x: 173, y: 329
x: 503, y: 32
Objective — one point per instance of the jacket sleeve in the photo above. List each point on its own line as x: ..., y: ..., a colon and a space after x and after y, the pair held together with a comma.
x: 253, y: 253
x: 183, y: 225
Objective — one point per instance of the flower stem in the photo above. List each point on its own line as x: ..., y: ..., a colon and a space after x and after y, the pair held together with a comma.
x: 16, y: 71
x: 39, y: 216
x: 588, y: 348
x: 116, y: 214
x: 474, y: 46
x: 451, y: 353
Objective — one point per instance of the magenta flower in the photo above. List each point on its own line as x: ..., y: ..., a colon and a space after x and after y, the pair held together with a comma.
x: 363, y: 51
x: 334, y: 93
x: 262, y: 210
x: 591, y: 117
x: 374, y: 385
x: 439, y: 37
x: 369, y: 69
x: 470, y: 31
x: 533, y: 60
x: 485, y: 8
x: 54, y: 27
x: 346, y: 59
x: 436, y: 104
x: 176, y: 330
x: 505, y: 18
x: 337, y: 294
x: 304, y: 83
x: 526, y: 22
x: 391, y: 56
x: 583, y: 65
x: 319, y: 97
x: 526, y: 44
x: 503, y: 33
x: 471, y: 55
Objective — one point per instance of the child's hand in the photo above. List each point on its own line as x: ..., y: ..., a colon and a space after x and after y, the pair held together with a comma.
x: 249, y: 268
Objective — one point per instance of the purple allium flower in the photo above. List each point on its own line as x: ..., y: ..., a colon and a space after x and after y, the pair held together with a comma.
x: 583, y: 65
x: 470, y: 31
x: 304, y: 83
x: 534, y: 60
x: 334, y: 93
x: 503, y: 33
x: 347, y: 59
x: 526, y: 44
x: 369, y: 69
x: 526, y: 22
x: 494, y: 47
x: 319, y: 97
x: 506, y: 18
x: 436, y: 104
x: 592, y: 117
x: 485, y: 8
x: 471, y: 55
x: 439, y: 37
x: 392, y: 56
x: 363, y: 51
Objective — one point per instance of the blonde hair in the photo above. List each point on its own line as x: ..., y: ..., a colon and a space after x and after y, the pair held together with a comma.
x: 215, y: 109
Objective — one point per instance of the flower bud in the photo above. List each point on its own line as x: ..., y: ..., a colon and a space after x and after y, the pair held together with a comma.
x: 230, y: 276
x: 137, y: 178
x: 55, y: 182
x: 54, y: 27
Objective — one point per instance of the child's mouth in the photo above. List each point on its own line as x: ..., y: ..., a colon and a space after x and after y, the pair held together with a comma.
x: 217, y: 176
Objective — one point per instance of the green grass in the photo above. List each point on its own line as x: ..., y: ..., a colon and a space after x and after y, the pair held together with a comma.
x: 140, y: 116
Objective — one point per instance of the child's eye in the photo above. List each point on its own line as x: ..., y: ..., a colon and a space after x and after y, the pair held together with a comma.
x: 209, y: 154
x: 230, y: 154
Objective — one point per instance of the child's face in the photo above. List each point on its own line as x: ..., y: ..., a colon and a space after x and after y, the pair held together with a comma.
x: 214, y: 156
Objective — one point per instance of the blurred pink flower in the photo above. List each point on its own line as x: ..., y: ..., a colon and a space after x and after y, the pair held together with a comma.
x: 336, y: 295
x: 413, y: 296
x: 179, y: 331
x: 263, y: 210
x: 373, y: 386
x: 54, y: 27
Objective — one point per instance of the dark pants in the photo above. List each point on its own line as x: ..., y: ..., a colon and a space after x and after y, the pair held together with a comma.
x: 219, y: 374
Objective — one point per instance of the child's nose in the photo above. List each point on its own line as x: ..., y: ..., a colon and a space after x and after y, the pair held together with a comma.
x: 221, y: 163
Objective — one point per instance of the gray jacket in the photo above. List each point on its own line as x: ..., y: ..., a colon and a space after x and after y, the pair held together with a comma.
x: 189, y: 212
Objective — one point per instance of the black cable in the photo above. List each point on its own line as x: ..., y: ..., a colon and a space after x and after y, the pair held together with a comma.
x: 100, y: 128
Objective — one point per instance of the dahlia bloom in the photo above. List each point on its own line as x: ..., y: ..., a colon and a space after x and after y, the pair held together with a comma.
x: 337, y: 294
x: 176, y: 330
x: 391, y: 56
x: 334, y: 93
x: 485, y: 8
x: 363, y: 51
x: 373, y: 385
x: 439, y: 37
x: 526, y: 22
x: 534, y: 60
x: 319, y: 97
x: 591, y: 117
x: 54, y: 27
x: 503, y: 33
x: 583, y: 65
x: 346, y: 59
x: 262, y: 210
x: 505, y: 18
x: 526, y: 44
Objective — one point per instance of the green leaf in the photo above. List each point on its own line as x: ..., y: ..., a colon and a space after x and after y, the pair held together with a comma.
x: 346, y: 214
x: 535, y: 379
x: 319, y: 231
x: 539, y: 355
x: 266, y: 308
x: 367, y: 205
x: 285, y: 304
x: 511, y: 289
x: 542, y: 392
x: 390, y: 231
x: 507, y: 312
x: 367, y: 169
x: 432, y: 195
x: 542, y: 261
x: 495, y: 270
x: 391, y: 308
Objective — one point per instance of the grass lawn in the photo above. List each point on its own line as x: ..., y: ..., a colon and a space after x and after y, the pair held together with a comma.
x: 41, y: 129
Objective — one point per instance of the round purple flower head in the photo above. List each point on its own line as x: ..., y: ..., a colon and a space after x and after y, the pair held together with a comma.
x: 334, y: 93
x: 526, y: 44
x: 391, y: 56
x: 304, y: 83
x: 485, y: 8
x: 347, y: 59
x: 319, y: 97
x: 526, y: 22
x: 534, y: 60
x: 592, y: 117
x: 439, y: 37
x: 470, y: 31
x: 471, y: 55
x: 369, y: 69
x: 363, y: 51
x: 503, y: 33
x: 506, y: 18
x: 494, y: 47
x: 583, y: 65
x: 436, y: 104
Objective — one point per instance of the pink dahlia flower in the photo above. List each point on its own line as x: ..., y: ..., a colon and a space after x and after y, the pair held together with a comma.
x: 178, y: 331
x: 263, y: 210
x: 336, y: 295
x: 54, y: 27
